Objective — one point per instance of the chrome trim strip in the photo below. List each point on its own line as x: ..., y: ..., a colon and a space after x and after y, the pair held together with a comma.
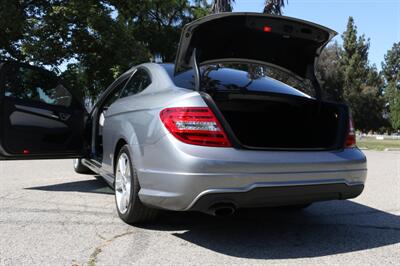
x: 253, y: 174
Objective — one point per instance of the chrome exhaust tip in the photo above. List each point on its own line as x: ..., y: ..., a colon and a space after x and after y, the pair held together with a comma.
x: 222, y: 209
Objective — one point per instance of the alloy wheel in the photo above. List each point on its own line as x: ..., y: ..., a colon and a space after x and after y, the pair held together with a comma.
x: 123, y: 182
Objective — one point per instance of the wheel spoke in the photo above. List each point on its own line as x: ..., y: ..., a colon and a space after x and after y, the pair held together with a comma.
x: 118, y: 184
x: 126, y: 200
x: 127, y: 170
x: 121, y: 166
x: 128, y: 190
x: 122, y: 203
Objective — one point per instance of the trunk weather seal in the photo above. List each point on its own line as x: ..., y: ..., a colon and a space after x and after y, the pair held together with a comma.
x: 227, y: 128
x: 196, y: 69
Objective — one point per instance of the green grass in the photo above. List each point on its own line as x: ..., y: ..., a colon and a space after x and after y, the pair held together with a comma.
x: 373, y: 144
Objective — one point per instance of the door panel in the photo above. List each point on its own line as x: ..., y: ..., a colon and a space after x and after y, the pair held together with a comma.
x: 40, y: 118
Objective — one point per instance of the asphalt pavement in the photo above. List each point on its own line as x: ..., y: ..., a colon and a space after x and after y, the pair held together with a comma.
x: 50, y: 215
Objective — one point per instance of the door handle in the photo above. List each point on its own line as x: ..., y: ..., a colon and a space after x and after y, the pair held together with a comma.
x: 61, y: 116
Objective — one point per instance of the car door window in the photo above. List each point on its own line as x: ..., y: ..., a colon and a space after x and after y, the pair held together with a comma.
x: 25, y: 83
x: 114, y: 94
x: 138, y: 82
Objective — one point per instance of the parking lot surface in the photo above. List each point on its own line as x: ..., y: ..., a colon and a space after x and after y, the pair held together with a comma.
x: 50, y: 215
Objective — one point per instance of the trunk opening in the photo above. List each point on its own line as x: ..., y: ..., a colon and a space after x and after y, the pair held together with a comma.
x: 282, y: 122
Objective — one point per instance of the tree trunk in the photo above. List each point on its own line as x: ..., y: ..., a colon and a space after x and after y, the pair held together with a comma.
x: 222, y: 6
x: 274, y: 7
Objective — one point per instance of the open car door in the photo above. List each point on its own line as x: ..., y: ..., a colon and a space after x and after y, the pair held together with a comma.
x: 39, y: 117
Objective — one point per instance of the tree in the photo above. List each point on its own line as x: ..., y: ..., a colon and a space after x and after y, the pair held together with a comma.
x: 274, y: 7
x: 12, y: 23
x: 354, y: 60
x: 158, y: 23
x: 362, y: 84
x: 220, y: 6
x: 391, y: 65
x: 391, y: 73
x: 82, y: 34
x: 93, y: 41
x: 329, y: 72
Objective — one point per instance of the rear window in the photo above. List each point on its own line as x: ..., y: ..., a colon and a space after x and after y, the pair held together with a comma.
x: 240, y: 77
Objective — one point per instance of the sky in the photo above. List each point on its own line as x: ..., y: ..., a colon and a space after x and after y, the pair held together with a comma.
x: 379, y: 20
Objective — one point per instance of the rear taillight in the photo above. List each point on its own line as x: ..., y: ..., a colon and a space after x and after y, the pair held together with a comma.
x: 351, y: 135
x: 195, y: 125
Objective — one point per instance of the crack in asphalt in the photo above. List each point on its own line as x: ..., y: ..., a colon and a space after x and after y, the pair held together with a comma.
x: 92, y: 260
x: 93, y: 257
x: 96, y: 230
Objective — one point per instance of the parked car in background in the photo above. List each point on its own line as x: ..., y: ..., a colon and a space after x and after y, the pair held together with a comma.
x: 213, y: 132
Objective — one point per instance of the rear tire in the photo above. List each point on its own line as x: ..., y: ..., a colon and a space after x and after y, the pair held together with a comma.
x: 126, y: 186
x: 80, y: 168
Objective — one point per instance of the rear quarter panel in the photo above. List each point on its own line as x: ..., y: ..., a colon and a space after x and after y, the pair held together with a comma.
x: 135, y: 119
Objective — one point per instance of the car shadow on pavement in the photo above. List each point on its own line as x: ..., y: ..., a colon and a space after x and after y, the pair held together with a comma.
x: 97, y: 185
x: 323, y: 229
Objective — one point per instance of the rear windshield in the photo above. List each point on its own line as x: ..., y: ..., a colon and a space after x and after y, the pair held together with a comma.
x: 240, y: 77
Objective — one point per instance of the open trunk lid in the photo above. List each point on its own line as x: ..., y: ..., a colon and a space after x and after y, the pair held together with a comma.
x: 287, y: 43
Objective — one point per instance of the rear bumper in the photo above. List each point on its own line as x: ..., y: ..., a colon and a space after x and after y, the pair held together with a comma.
x: 177, y: 176
x: 254, y: 195
x: 277, y: 196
